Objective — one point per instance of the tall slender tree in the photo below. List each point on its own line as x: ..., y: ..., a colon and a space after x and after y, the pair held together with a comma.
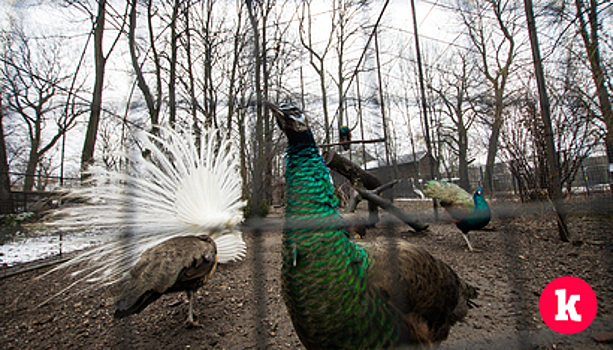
x: 257, y: 200
x: 153, y: 102
x: 454, y: 93
x: 497, y: 58
x: 100, y: 60
x: 552, y: 156
x: 588, y: 28
x: 6, y: 196
x: 317, y: 58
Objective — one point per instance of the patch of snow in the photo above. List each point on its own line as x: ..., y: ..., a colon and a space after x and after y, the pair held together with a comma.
x: 45, y: 246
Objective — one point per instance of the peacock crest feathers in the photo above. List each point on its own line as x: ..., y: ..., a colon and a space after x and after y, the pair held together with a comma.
x: 183, y: 183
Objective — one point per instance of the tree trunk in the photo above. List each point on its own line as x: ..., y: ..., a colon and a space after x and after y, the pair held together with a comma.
x: 28, y: 183
x: 6, y: 197
x: 463, y: 156
x: 319, y: 66
x: 193, y: 101
x: 237, y: 49
x: 87, y: 156
x: 153, y: 103
x: 492, y: 150
x: 172, y: 95
x: 257, y: 202
x: 598, y: 73
x: 267, y: 146
x: 552, y: 156
x: 424, y: 105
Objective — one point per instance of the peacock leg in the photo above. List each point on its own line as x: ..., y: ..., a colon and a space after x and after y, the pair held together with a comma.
x: 470, y: 247
x: 190, y: 316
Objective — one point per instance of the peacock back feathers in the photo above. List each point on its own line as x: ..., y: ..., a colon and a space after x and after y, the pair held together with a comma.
x: 449, y: 195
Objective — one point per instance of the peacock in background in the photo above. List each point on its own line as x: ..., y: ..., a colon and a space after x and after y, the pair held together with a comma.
x: 167, y: 221
x: 467, y: 212
x: 344, y: 135
x: 354, y: 296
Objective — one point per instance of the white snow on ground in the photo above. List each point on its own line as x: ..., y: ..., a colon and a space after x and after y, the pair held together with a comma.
x: 44, y: 246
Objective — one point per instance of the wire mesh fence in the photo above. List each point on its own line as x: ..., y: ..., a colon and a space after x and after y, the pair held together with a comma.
x: 242, y: 306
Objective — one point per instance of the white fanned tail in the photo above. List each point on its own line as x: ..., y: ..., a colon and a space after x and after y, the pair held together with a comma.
x: 183, y: 185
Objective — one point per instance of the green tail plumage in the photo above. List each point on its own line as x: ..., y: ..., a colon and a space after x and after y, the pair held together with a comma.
x: 449, y: 194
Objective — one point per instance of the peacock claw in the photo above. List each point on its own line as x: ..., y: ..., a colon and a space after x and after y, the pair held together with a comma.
x: 193, y: 324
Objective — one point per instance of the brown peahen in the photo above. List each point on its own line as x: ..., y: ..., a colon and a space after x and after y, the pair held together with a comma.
x: 354, y: 296
x: 165, y: 222
x: 179, y: 264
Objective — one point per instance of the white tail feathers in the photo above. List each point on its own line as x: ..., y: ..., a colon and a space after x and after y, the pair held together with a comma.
x: 185, y: 184
x: 230, y: 246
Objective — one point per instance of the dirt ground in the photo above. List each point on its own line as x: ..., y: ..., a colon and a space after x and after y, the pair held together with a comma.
x: 241, y: 306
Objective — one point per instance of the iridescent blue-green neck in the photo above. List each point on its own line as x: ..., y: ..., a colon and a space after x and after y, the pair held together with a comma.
x: 479, y: 217
x: 324, y: 274
x: 480, y: 200
x: 309, y: 193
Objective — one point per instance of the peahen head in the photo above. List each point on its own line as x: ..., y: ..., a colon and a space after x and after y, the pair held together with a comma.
x: 293, y: 123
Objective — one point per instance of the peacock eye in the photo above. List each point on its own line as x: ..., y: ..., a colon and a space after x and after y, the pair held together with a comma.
x: 294, y: 113
x: 298, y: 117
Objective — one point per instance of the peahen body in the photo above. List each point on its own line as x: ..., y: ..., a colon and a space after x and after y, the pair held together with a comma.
x: 166, y: 221
x: 343, y: 295
x: 179, y: 264
x: 468, y: 212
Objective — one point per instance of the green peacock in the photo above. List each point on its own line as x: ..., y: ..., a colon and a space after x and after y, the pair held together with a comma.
x: 354, y: 296
x: 467, y: 212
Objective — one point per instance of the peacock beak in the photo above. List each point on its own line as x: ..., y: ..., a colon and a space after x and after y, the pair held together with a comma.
x: 273, y: 107
x: 278, y: 113
x: 290, y: 119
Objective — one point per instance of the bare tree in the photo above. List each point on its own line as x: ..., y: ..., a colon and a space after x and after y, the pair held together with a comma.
x: 208, y: 38
x: 454, y: 94
x: 6, y: 196
x: 575, y: 121
x: 588, y: 29
x: 574, y: 131
x: 257, y: 199
x: 238, y: 44
x: 34, y: 76
x: 317, y: 58
x: 497, y: 54
x: 100, y: 58
x: 154, y: 102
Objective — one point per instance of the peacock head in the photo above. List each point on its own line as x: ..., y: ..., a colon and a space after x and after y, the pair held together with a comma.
x: 479, y: 191
x: 293, y: 123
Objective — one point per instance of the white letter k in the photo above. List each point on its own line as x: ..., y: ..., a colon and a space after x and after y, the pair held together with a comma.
x: 567, y: 309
